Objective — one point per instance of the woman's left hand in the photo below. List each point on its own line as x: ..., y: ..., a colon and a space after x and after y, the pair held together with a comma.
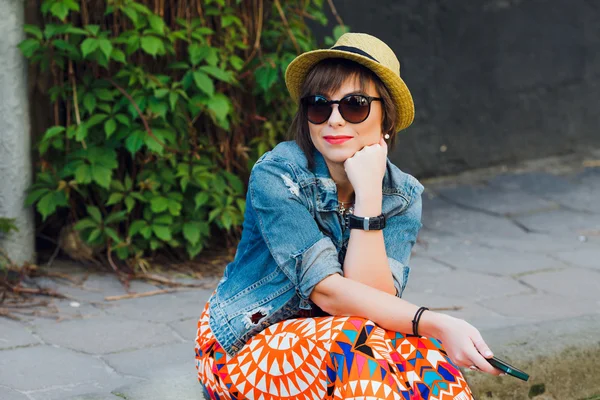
x: 366, y: 168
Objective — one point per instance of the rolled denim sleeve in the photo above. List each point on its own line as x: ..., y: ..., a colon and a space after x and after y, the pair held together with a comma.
x: 291, y: 233
x: 400, y: 235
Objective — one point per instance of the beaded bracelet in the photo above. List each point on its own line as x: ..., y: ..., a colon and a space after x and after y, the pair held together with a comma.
x: 415, y: 321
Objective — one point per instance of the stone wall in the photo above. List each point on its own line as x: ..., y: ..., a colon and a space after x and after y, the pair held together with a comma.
x: 493, y: 81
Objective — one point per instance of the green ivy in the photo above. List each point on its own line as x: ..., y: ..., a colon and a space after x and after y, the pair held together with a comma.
x: 158, y: 124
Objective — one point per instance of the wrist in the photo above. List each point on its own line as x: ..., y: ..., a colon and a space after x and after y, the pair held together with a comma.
x: 431, y: 323
x: 368, y: 205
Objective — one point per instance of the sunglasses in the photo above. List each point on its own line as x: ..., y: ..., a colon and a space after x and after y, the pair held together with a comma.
x: 354, y: 108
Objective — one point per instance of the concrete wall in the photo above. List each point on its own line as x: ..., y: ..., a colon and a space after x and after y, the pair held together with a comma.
x: 493, y: 81
x: 15, y: 161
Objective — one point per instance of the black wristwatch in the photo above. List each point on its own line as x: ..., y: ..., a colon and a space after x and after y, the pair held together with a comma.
x: 366, y: 223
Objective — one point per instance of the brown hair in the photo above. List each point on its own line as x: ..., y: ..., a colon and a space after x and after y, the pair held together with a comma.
x: 327, y: 76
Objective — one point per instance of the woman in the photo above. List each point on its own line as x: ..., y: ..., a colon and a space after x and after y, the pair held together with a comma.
x: 311, y: 308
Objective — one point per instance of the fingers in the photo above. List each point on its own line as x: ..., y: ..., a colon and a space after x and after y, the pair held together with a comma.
x: 479, y: 356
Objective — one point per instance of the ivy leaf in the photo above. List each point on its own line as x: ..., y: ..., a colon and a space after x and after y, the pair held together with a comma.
x: 174, y: 207
x: 34, y: 195
x: 102, y: 175
x: 265, y: 77
x: 204, y: 83
x: 83, y: 174
x: 89, y: 102
x: 33, y: 30
x: 118, y: 56
x: 159, y: 204
x: 135, y: 141
x: 104, y: 94
x: 94, y: 213
x: 129, y: 203
x: 88, y: 46
x: 114, y: 198
x: 116, y: 217
x: 162, y: 232
x: 111, y: 233
x: 59, y: 10
x: 236, y: 62
x: 136, y: 226
x: 53, y: 131
x: 198, y: 53
x: 95, y: 120
x: 153, y: 45
x: 191, y: 232
x: 49, y: 202
x: 105, y: 46
x: 110, y: 126
x: 157, y: 23
x: 217, y: 73
x: 29, y: 46
x: 81, y: 132
x: 220, y: 105
x: 201, y: 199
x: 85, y: 223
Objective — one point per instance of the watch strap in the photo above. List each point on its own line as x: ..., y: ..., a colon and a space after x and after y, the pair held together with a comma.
x: 366, y: 223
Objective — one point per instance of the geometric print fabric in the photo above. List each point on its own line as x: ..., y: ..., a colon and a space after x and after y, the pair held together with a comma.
x: 328, y: 358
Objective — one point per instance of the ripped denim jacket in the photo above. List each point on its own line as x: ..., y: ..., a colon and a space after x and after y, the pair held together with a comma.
x: 293, y: 237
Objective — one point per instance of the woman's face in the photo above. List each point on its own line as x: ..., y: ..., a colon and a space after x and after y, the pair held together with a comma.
x: 359, y: 135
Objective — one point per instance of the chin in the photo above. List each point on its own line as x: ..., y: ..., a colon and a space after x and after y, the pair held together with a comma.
x: 337, y: 155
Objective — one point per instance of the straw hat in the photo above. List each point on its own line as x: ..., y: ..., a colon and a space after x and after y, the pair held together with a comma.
x: 368, y: 51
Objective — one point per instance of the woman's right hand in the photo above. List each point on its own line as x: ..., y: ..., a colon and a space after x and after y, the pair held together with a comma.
x: 463, y: 343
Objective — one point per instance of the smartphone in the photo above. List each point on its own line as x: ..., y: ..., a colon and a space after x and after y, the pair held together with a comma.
x: 509, y: 369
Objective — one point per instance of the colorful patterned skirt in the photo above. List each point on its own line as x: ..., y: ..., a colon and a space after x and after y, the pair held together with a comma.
x: 328, y: 358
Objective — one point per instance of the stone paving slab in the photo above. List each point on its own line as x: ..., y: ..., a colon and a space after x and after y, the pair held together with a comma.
x: 14, y: 334
x: 170, y: 383
x: 52, y: 369
x: 104, y: 335
x: 588, y: 258
x: 467, y: 285
x: 163, y: 308
x: 572, y: 282
x: 9, y: 394
x: 186, y: 328
x: 143, y: 362
x: 497, y: 201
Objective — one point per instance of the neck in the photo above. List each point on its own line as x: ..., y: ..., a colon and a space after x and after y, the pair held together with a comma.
x: 344, y: 187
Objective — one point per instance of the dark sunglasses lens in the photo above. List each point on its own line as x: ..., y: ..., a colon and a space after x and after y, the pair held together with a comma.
x: 355, y: 109
x: 318, y: 109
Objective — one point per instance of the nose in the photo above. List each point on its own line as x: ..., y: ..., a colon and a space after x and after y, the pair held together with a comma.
x: 336, y: 119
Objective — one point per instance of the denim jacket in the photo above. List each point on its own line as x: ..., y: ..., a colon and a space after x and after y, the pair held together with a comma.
x: 293, y: 237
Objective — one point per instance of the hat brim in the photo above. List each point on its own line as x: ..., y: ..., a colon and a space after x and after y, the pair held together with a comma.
x: 299, y: 68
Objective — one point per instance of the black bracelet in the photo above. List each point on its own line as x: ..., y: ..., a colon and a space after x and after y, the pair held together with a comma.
x: 415, y: 321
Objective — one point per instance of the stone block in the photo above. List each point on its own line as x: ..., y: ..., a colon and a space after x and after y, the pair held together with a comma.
x: 9, y: 394
x: 541, y: 306
x: 58, y: 373
x: 145, y: 362
x: 569, y: 283
x: 186, y: 328
x: 168, y: 384
x: 104, y: 335
x: 496, y: 261
x: 162, y: 308
x: 466, y: 285
x: 496, y: 200
x: 561, y: 222
x: 585, y: 257
x: 15, y: 334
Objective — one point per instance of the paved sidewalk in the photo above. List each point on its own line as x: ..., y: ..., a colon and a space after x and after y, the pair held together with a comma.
x: 516, y: 254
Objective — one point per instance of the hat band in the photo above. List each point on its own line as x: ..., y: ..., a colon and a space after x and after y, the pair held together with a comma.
x: 355, y: 51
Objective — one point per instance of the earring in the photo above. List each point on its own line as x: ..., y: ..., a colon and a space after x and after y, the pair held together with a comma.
x: 386, y: 136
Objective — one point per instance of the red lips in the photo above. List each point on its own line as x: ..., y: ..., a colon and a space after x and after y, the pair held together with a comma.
x: 337, y: 139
